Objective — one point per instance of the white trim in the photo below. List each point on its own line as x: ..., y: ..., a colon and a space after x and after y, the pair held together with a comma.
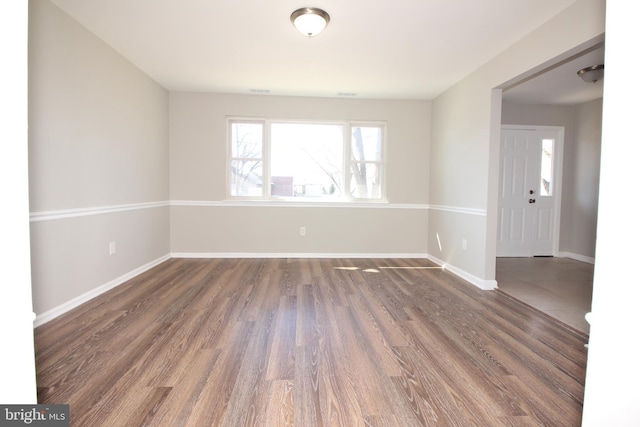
x: 558, y: 162
x: 267, y: 127
x: 87, y: 296
x: 81, y: 299
x: 531, y: 127
x: 483, y: 284
x: 462, y: 210
x: 577, y: 257
x: 79, y: 212
x: 295, y: 204
x: 293, y: 255
x: 310, y: 204
x: 476, y: 281
x: 99, y: 210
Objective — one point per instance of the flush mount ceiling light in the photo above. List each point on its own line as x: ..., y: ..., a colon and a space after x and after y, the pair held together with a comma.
x: 592, y: 74
x: 310, y: 21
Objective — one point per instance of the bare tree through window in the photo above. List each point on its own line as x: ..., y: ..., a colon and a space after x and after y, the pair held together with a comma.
x: 314, y: 161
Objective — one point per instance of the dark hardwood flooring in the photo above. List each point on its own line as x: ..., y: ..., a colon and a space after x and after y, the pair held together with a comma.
x: 306, y: 342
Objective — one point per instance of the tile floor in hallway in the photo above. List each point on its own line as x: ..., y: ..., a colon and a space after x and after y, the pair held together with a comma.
x: 559, y: 287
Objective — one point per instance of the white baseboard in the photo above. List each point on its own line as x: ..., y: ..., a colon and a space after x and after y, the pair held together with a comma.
x: 75, y: 302
x: 476, y: 281
x: 292, y: 255
x: 577, y: 257
x: 483, y: 284
x: 69, y: 305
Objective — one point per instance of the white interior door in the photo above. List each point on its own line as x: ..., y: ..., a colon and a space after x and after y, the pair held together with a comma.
x: 529, y: 191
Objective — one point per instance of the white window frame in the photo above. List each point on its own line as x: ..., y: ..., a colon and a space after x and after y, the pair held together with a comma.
x: 348, y: 160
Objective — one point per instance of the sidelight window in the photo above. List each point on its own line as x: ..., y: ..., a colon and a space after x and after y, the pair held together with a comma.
x: 546, y: 168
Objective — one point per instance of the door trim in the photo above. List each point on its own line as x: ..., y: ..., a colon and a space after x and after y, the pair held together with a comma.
x: 558, y: 132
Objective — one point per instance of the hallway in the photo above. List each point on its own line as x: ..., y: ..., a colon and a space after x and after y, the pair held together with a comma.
x: 559, y: 287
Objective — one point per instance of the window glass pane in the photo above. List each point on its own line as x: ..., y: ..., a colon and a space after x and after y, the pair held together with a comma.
x: 366, y: 143
x: 246, y: 178
x: 546, y: 168
x: 306, y: 160
x: 366, y: 180
x: 246, y: 140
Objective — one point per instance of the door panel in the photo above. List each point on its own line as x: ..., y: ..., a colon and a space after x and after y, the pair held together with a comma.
x: 544, y: 225
x: 517, y: 225
x: 518, y: 150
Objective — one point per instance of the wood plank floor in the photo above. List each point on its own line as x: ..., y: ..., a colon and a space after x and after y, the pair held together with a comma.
x: 306, y: 342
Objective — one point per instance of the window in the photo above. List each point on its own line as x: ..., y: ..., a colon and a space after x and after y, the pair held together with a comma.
x: 306, y: 160
x: 546, y: 168
x: 246, y: 166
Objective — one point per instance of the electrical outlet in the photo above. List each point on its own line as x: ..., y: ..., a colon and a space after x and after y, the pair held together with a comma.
x: 112, y: 248
x: 464, y: 244
x: 303, y: 231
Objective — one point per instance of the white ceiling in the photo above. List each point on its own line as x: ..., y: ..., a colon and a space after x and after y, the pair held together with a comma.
x: 405, y: 49
x: 561, y: 84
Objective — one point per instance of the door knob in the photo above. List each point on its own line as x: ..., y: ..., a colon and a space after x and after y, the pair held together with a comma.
x: 532, y: 200
x: 531, y: 191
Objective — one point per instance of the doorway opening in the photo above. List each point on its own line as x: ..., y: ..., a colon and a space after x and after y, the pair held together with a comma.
x: 560, y: 283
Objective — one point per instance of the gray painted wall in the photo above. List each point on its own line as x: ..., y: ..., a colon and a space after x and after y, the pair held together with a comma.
x: 205, y: 223
x: 102, y: 134
x: 464, y: 168
x: 98, y: 137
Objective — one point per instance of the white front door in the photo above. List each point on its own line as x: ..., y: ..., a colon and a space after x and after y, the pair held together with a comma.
x: 529, y: 191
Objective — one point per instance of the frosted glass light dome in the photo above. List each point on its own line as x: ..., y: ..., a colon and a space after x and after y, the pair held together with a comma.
x: 310, y: 21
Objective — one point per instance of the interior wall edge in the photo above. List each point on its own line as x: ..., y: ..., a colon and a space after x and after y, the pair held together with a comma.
x: 478, y: 282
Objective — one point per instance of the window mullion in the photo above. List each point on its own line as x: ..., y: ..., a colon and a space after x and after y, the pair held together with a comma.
x: 347, y: 161
x: 266, y: 159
